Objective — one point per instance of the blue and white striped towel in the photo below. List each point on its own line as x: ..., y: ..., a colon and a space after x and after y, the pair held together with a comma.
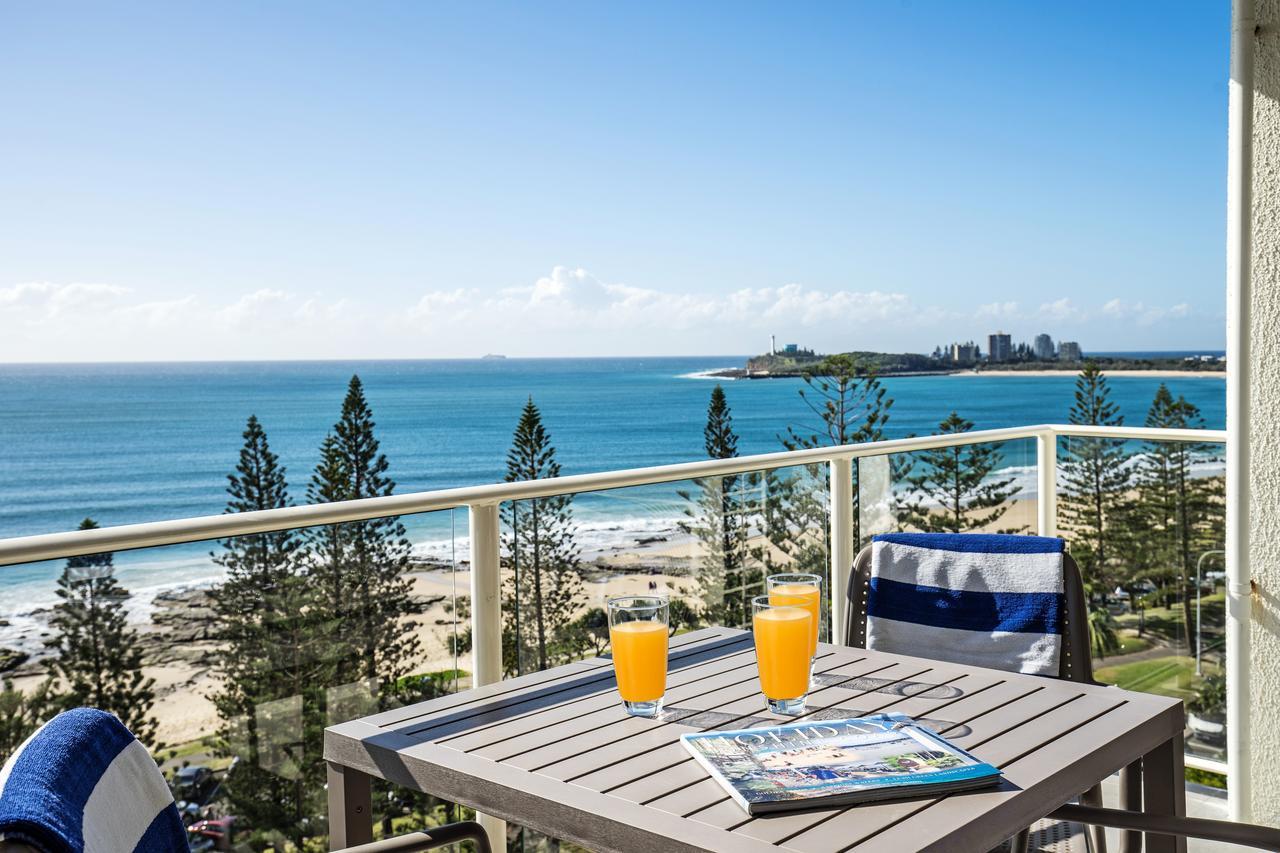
x: 989, y: 600
x: 83, y: 782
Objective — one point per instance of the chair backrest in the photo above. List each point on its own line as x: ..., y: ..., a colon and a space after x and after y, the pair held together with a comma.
x: 1076, y: 661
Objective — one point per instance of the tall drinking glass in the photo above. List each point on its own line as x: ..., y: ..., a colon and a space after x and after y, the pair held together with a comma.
x: 782, y: 634
x: 800, y: 590
x: 638, y: 635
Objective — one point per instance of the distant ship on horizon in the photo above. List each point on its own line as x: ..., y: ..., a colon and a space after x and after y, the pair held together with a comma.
x: 491, y: 355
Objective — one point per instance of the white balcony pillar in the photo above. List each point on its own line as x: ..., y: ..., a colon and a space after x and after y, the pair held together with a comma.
x: 1047, y: 482
x: 843, y: 546
x: 486, y: 621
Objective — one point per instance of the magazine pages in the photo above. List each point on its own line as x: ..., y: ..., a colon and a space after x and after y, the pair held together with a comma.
x: 835, y: 762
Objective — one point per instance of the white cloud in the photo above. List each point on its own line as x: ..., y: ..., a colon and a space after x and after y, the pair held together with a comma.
x: 253, y: 307
x: 568, y: 311
x: 998, y: 311
x: 37, y: 301
x: 1060, y: 311
x: 1141, y: 314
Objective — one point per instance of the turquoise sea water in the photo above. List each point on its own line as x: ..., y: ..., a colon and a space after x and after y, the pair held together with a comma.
x: 141, y: 442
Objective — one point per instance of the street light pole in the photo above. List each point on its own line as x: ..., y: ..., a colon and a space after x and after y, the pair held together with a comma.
x: 1199, y: 632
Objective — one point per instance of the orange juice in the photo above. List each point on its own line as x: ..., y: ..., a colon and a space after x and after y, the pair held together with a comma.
x: 804, y: 595
x: 640, y: 659
x: 782, y: 651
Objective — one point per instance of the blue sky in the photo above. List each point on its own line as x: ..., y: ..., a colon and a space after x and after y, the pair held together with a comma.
x: 313, y: 180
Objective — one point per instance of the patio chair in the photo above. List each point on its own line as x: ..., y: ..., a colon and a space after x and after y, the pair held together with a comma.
x: 83, y: 780
x: 1075, y: 664
x: 1063, y: 830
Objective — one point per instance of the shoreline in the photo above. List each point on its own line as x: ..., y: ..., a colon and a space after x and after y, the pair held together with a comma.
x: 737, y: 373
x: 1163, y: 373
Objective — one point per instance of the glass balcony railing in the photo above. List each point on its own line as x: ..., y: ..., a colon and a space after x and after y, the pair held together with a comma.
x: 252, y: 634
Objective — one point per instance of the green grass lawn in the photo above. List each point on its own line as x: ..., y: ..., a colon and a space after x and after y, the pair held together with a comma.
x: 1174, y: 676
x: 1130, y: 642
x: 1167, y: 623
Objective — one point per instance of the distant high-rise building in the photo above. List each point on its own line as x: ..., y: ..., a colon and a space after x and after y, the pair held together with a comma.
x: 1069, y: 351
x: 1043, y: 348
x: 999, y: 347
x: 773, y: 345
x: 964, y: 353
x: 791, y: 349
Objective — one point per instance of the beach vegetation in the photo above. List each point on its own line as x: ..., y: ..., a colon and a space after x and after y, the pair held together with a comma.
x: 97, y: 657
x: 24, y: 711
x: 588, y: 635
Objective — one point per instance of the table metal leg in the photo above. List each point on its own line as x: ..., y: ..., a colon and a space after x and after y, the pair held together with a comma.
x: 496, y: 828
x: 350, y: 809
x: 1164, y: 793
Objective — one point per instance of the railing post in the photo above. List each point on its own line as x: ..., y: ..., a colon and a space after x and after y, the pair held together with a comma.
x: 842, y: 544
x: 486, y: 622
x: 1241, y: 710
x: 1047, y: 482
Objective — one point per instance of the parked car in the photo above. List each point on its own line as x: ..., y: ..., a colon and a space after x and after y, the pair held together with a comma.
x: 208, y: 835
x: 193, y: 784
x: 1211, y: 731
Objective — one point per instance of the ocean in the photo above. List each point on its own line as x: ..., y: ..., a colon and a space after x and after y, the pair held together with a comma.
x: 127, y: 443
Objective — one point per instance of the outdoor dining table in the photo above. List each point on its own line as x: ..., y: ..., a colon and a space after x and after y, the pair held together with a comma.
x: 554, y: 751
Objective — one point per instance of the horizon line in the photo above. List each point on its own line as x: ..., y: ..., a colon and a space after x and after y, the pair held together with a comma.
x: 497, y: 357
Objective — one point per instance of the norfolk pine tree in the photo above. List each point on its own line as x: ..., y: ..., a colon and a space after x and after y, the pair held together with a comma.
x: 956, y: 480
x: 1182, y: 512
x: 1095, y: 475
x: 849, y: 401
x: 360, y: 566
x: 719, y: 516
x: 541, y: 555
x: 97, y: 657
x: 852, y: 406
x: 273, y: 673
x: 1095, y: 516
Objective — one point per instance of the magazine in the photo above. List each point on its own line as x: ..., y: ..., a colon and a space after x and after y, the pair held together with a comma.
x: 835, y: 763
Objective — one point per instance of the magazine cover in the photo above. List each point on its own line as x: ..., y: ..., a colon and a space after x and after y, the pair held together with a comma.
x: 835, y: 762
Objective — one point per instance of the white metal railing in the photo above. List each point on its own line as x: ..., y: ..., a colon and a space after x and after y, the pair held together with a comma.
x: 482, y: 505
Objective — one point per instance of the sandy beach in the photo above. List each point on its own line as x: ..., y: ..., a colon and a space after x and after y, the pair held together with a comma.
x: 180, y: 647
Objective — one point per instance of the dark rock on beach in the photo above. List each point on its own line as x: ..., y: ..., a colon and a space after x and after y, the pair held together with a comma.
x: 11, y: 659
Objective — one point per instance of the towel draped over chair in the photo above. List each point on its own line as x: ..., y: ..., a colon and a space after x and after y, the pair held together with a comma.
x: 83, y: 782
x: 991, y: 600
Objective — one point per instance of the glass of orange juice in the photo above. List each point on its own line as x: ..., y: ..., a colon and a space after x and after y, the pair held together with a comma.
x: 638, y: 635
x: 800, y: 591
x: 783, y: 656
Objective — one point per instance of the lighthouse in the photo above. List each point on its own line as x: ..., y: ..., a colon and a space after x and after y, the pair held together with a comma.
x: 773, y: 345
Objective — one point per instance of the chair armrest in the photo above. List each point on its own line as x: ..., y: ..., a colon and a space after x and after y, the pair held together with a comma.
x: 451, y: 833
x: 1245, y: 834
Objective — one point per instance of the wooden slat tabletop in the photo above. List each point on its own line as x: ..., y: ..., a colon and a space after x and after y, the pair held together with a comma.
x: 556, y: 752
